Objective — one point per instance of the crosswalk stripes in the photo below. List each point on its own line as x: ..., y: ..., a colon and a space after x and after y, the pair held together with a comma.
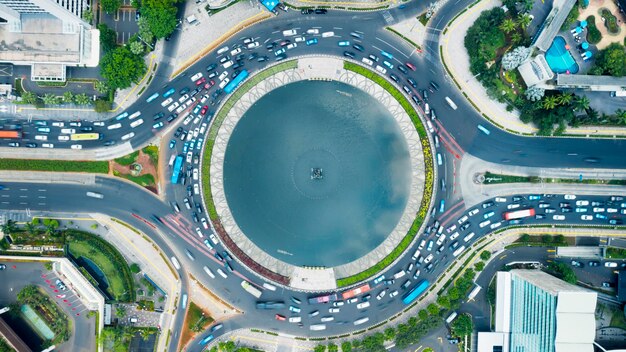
x: 388, y: 17
x: 15, y: 216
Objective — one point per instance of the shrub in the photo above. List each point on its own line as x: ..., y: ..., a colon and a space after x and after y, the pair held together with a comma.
x: 593, y: 34
x: 485, y: 255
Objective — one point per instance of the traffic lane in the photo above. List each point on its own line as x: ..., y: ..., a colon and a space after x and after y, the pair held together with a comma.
x: 591, y: 275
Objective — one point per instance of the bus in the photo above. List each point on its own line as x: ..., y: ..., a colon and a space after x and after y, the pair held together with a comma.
x: 236, y: 81
x: 458, y: 251
x: 386, y: 54
x: 251, y: 289
x: 11, y: 134
x: 356, y: 291
x: 270, y: 305
x: 175, y: 262
x: 85, y: 136
x: 474, y: 292
x: 451, y: 103
x: 415, y: 292
x: 518, y: 214
x: 484, y: 130
x: 95, y: 195
x: 323, y: 299
x: 361, y: 321
x: 451, y: 317
x: 152, y: 97
x: 178, y: 167
x: 121, y: 116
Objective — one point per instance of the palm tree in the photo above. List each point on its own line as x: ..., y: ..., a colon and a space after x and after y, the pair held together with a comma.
x: 8, y: 227
x: 31, y: 228
x: 564, y: 98
x: 508, y: 25
x: 516, y: 37
x: 620, y: 116
x: 524, y: 21
x: 581, y: 103
x: 549, y: 102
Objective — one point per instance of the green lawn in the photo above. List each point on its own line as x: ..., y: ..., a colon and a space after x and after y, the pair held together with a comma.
x: 127, y: 159
x: 196, y: 320
x: 100, y: 167
x: 109, y: 260
x: 153, y: 152
x: 142, y: 180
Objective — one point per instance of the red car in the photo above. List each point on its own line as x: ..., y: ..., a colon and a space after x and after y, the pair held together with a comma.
x: 200, y: 81
x: 411, y: 66
x: 209, y: 85
x: 204, y: 109
x: 280, y: 317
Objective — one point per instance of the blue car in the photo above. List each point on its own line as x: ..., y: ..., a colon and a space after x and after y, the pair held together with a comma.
x: 344, y: 43
x: 172, y: 143
x: 197, y: 109
x: 206, y: 340
x: 311, y: 41
x: 158, y: 125
x: 386, y: 54
x: 151, y: 98
x: 169, y: 92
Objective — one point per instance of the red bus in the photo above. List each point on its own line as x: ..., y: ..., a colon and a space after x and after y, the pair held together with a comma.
x: 355, y: 292
x: 323, y: 299
x: 518, y: 214
x: 11, y: 134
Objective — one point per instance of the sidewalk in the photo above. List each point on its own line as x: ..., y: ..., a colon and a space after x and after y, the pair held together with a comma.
x: 456, y: 62
x: 474, y: 192
x: 345, y: 4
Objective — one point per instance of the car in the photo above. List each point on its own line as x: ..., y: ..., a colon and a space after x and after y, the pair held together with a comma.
x: 320, y: 11
x: 487, y: 205
x: 366, y: 297
x: 382, y: 294
x: 598, y: 210
x: 76, y: 146
x: 616, y: 222
x: 86, y: 129
x: 558, y: 217
x: 14, y: 144
x: 206, y: 227
x: 601, y: 216
x: 569, y: 197
x: 473, y: 212
x: 349, y: 54
x: 410, y: 66
x: 314, y: 313
x: 610, y: 264
x: 338, y: 303
x: 158, y: 125
x: 513, y: 206
x: 582, y: 203
x: 540, y: 216
x: 402, y: 69
x: 488, y: 214
x: 379, y: 279
x: 280, y: 317
x: 172, y: 143
x: 352, y: 300
x: 358, y: 47
x: 606, y: 285
x: 363, y: 305
x: 333, y: 310
x: 593, y: 263
x: 550, y: 210
x: 586, y: 217
x: 577, y: 264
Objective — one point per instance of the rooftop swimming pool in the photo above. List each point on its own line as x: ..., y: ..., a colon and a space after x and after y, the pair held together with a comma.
x: 559, y: 58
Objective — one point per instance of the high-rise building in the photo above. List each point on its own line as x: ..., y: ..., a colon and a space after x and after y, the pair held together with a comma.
x: 536, y: 312
x: 47, y: 35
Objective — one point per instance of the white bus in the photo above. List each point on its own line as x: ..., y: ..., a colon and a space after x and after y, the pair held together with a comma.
x: 251, y: 289
x: 451, y: 103
x: 361, y: 321
x: 473, y: 293
x: 175, y: 262
x: 451, y: 317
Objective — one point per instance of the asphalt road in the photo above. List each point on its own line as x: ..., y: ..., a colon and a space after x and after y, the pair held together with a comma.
x: 18, y: 275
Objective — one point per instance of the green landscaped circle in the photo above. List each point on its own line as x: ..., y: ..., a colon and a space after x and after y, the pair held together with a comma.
x: 426, y: 180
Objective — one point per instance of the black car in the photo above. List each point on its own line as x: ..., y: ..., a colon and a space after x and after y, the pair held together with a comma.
x: 434, y: 85
x: 262, y: 58
x: 412, y: 82
x: 196, y: 91
x: 86, y: 129
x: 358, y: 47
x: 31, y: 145
x: 403, y: 69
x: 240, y: 57
x: 306, y: 11
x: 199, y: 208
x: 270, y: 46
x: 109, y: 143
x: 227, y: 256
x: 158, y: 115
x: 171, y: 118
x: 415, y: 99
x: 349, y: 54
x: 235, y: 73
x: 487, y: 205
x: 616, y: 222
x: 211, y: 67
x: 195, y: 217
x: 3, y: 266
x: 184, y: 91
x: 253, y: 56
x: 218, y: 256
x: 394, y: 77
x: 239, y: 64
x: 320, y: 11
x: 189, y: 191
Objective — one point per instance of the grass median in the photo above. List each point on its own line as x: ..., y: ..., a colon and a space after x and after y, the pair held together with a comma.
x: 98, y: 167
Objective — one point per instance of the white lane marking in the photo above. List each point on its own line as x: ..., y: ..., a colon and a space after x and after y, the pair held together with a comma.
x: 23, y: 196
x: 337, y: 28
x: 398, y: 50
x: 23, y: 189
x: 5, y: 202
x: 41, y: 197
x: 42, y: 190
x: 41, y: 203
x: 5, y: 196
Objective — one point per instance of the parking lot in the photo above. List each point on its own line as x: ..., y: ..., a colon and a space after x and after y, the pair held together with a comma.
x: 144, y: 318
x: 123, y: 22
x: 18, y: 275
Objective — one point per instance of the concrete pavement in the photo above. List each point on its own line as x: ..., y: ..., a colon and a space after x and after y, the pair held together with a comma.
x: 456, y: 61
x: 474, y: 192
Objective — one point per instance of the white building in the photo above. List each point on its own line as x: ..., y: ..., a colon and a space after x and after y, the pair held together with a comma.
x: 536, y: 312
x: 47, y: 35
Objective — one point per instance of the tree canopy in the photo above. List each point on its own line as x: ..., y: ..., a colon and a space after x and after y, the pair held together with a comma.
x: 108, y: 38
x: 110, y: 6
x: 121, y: 67
x: 611, y: 61
x: 160, y: 15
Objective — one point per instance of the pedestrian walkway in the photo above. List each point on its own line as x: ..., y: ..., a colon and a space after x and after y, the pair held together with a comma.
x: 474, y: 192
x: 456, y: 61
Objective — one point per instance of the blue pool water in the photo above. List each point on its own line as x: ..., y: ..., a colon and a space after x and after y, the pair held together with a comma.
x: 560, y: 59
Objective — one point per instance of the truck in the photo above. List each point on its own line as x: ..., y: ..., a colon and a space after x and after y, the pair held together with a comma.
x: 323, y: 299
x: 270, y: 305
x: 356, y: 291
x: 618, y: 93
x: 518, y: 214
x: 10, y: 134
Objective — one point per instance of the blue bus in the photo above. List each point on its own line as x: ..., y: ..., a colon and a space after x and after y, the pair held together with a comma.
x: 121, y: 116
x: 152, y: 97
x: 236, y: 81
x: 178, y: 168
x: 415, y: 292
x: 169, y: 92
x: 386, y: 54
x: 484, y: 130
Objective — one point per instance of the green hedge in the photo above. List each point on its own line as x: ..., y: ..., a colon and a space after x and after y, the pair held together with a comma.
x: 99, y: 167
x: 593, y: 34
x: 427, y: 196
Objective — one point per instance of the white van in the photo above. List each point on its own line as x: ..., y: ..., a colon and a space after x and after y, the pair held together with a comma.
x: 128, y: 136
x: 222, y: 50
x: 290, y: 32
x: 64, y: 138
x: 114, y: 126
x: 41, y: 138
x: 295, y: 319
x: 136, y: 123
x: 228, y: 64
x: 328, y: 34
x: 68, y: 130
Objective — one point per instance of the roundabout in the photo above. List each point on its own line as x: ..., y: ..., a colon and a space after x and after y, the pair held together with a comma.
x: 319, y: 186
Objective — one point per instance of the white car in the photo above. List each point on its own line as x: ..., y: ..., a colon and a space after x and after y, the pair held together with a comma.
x: 313, y: 31
x: 224, y: 83
x: 363, y: 305
x: 195, y: 174
x: 252, y: 45
x: 570, y: 197
x: 299, y: 39
x: 381, y: 294
x: 610, y: 264
x: 235, y: 52
x: 212, y: 237
x: 586, y: 217
x: 47, y: 145
x: 203, y: 128
x: 290, y: 32
x: 196, y: 189
x: 352, y: 300
x: 189, y: 156
x: 167, y: 102
x: 333, y: 310
x: 598, y: 210
x: 196, y: 77
x: 223, y: 75
x: 64, y: 138
x: 292, y: 46
x: 393, y: 293
x: 199, y: 232
x: 558, y: 217
x: 495, y: 225
x: 473, y: 212
x: 367, y: 61
x: 77, y: 146
x: 206, y: 227
x: 196, y: 132
x: 327, y: 319
x: 500, y: 200
x: 484, y: 223
x: 463, y: 219
x: 582, y: 203
x: 513, y: 206
x: 187, y: 120
x: 422, y: 244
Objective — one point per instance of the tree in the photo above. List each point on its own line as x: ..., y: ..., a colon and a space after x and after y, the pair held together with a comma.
x: 50, y: 99
x: 82, y: 99
x: 103, y: 105
x: 346, y: 346
x: 134, y: 268
x: 68, y: 97
x: 453, y: 293
x: 508, y: 25
x: 611, y: 61
x: 332, y: 347
x: 515, y: 57
x: 524, y: 21
x: 101, y: 87
x: 433, y: 309
x: 160, y: 16
x: 88, y: 16
x: 549, y: 102
x: 444, y: 301
x: 581, y: 103
x: 462, y: 325
x: 31, y: 228
x: 144, y: 30
x: 319, y: 348
x: 110, y: 6
x: 564, y: 271
x: 564, y: 99
x: 485, y: 255
x: 29, y: 97
x: 121, y: 68
x: 390, y: 334
x: 137, y: 48
x: 524, y: 237
x: 120, y: 311
x: 422, y: 314
x: 108, y: 38
x: 535, y: 93
x: 546, y: 238
x: 479, y: 266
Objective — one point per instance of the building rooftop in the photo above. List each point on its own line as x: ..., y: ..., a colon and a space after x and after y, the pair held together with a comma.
x: 554, y: 21
x: 493, y: 341
x: 621, y: 285
x: 597, y: 83
x: 535, y: 70
x: 12, y: 338
x: 547, y: 282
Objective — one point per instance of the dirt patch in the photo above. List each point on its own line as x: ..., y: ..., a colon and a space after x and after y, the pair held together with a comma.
x: 147, y: 168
